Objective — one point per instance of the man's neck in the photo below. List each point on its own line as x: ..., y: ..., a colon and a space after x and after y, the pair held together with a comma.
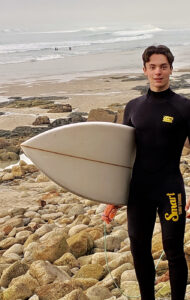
x: 157, y: 90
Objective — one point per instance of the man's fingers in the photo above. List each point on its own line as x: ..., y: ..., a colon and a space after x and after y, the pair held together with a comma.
x: 187, y: 206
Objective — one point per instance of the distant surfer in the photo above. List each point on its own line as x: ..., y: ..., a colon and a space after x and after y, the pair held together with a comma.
x: 162, y: 122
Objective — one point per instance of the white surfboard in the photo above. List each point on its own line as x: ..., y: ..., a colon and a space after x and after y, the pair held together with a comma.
x: 91, y: 159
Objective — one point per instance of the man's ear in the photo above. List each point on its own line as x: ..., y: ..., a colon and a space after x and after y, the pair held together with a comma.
x: 145, y: 70
x: 171, y: 70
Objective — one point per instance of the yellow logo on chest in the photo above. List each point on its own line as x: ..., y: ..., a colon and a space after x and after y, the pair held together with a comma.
x: 167, y: 119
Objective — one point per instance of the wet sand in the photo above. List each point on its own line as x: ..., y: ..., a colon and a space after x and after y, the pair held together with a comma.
x: 83, y: 94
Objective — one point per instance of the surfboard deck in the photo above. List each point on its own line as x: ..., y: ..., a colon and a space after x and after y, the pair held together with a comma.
x: 92, y: 159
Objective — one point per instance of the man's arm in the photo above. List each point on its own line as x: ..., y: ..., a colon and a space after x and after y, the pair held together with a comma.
x: 127, y: 115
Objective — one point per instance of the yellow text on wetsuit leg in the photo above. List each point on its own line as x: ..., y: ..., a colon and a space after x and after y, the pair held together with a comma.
x: 174, y: 211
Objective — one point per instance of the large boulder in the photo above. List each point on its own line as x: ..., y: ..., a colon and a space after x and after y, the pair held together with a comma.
x: 13, y: 271
x: 80, y: 244
x: 121, y: 258
x: 54, y: 291
x: 100, y: 114
x: 59, y: 108
x: 45, y: 273
x: 67, y: 259
x: 50, y: 247
x: 6, y: 243
x: 116, y: 274
x: 6, y: 156
x: 77, y: 228
x: 41, y: 120
x: 84, y: 283
x: 95, y: 232
x: 21, y: 287
x: 75, y: 295
x: 98, y: 293
x: 131, y: 289
x: 16, y: 249
x: 75, y: 210
x: 99, y: 258
x: 17, y: 171
x: 3, y: 143
x: 60, y: 122
x: 163, y: 289
x: 128, y: 275
x: 7, y: 177
x: 95, y: 271
x: 112, y: 241
x: 76, y: 117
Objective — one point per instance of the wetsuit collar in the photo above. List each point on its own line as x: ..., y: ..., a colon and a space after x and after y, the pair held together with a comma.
x: 159, y: 96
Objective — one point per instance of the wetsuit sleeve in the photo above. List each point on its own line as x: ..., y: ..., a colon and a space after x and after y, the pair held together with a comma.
x: 127, y: 115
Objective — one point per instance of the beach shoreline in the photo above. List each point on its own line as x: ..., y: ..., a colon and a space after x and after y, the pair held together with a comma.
x: 83, y: 94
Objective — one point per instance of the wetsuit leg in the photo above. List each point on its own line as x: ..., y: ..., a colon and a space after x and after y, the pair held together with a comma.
x: 172, y: 217
x: 141, y: 220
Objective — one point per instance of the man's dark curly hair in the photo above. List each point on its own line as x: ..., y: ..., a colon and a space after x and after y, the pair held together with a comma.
x: 161, y: 49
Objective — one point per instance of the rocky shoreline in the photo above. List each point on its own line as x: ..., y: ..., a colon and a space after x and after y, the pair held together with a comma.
x: 54, y: 249
x: 10, y: 140
x: 51, y: 241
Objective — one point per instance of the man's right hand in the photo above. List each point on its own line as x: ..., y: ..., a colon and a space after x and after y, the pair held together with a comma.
x: 109, y: 213
x: 187, y: 207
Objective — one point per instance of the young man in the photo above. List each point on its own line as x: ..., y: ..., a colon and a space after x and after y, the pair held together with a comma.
x: 162, y: 122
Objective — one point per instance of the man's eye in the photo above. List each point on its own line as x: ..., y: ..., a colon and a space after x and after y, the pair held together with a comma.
x: 164, y: 67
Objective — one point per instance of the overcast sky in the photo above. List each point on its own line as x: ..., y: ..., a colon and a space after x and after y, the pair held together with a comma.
x: 68, y: 13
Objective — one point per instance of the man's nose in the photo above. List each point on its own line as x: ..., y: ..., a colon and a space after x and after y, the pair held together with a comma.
x: 158, y: 70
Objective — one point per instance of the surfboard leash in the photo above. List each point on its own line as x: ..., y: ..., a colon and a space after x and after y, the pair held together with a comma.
x: 107, y: 266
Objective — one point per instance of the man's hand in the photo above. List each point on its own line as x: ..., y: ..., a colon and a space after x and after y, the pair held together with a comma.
x: 187, y: 207
x: 109, y: 213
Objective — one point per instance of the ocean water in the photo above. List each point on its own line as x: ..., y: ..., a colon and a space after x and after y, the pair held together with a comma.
x: 27, y: 54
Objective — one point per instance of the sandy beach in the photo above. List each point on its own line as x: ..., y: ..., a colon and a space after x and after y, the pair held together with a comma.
x: 83, y: 94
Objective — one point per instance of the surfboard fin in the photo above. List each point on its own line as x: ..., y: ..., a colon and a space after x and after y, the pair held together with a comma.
x: 109, y: 213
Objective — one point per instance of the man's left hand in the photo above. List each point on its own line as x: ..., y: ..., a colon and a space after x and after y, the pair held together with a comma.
x: 187, y: 207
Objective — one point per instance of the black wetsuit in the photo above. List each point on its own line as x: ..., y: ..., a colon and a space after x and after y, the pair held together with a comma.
x: 162, y: 123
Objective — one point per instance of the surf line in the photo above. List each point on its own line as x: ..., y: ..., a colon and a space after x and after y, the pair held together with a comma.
x: 79, y: 157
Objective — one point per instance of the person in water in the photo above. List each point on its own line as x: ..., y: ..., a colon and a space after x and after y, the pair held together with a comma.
x: 161, y: 119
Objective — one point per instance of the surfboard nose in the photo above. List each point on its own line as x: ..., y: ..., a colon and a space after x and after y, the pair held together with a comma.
x: 93, y: 159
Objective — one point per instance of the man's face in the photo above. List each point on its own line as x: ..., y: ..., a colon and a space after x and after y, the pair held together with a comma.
x: 158, y: 72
